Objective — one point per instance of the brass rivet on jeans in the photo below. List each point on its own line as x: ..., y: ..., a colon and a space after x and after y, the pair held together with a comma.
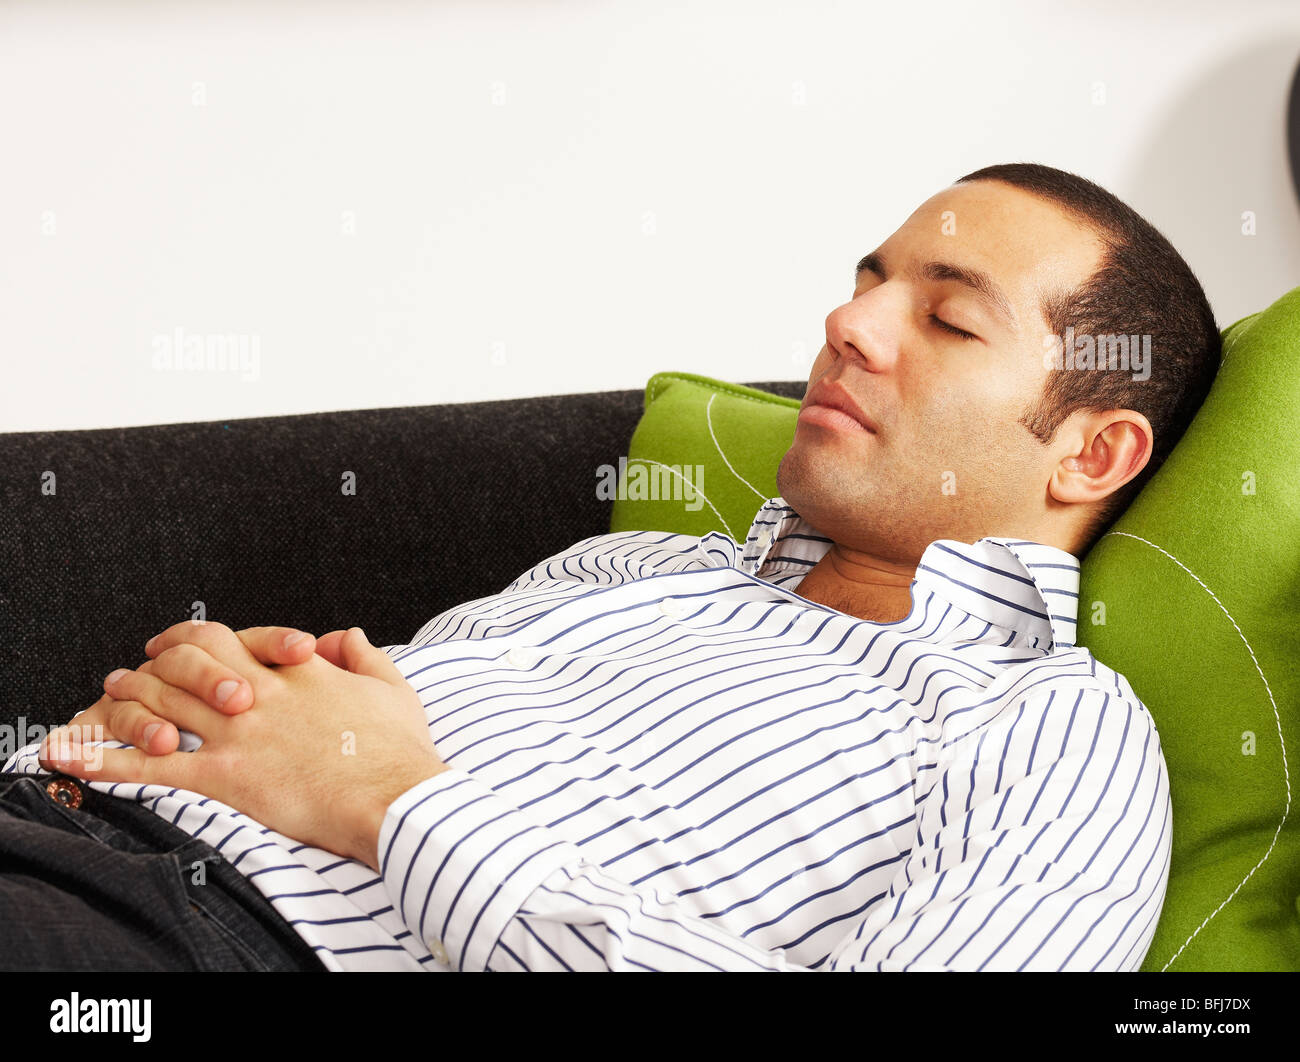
x: 64, y: 792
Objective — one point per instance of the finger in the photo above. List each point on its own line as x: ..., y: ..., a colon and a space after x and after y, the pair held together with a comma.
x: 105, y: 720
x: 362, y: 658
x: 265, y: 645
x: 166, y: 692
x: 327, y: 646
x: 86, y: 727
x: 164, y: 739
x: 99, y: 764
x: 278, y: 645
x: 218, y: 640
x: 247, y: 652
x: 193, y: 669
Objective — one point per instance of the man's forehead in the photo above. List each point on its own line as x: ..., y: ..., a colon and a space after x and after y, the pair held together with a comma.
x: 1027, y: 244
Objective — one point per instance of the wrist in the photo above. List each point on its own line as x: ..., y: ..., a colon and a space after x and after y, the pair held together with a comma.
x: 373, y: 808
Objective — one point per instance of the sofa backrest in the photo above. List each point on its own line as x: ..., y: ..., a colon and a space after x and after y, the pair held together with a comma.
x: 112, y: 535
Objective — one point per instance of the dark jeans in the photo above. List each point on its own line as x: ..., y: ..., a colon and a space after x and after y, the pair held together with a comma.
x: 95, y: 882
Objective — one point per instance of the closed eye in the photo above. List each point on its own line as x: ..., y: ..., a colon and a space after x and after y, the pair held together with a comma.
x: 952, y: 328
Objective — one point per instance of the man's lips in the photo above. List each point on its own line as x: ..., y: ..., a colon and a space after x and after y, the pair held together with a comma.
x: 830, y: 406
x: 830, y: 417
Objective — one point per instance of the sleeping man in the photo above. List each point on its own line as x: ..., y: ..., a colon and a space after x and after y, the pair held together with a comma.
x: 862, y: 739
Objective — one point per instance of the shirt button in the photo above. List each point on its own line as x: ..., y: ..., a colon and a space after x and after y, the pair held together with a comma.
x: 439, y: 953
x: 521, y: 657
x: 671, y: 607
x: 64, y: 791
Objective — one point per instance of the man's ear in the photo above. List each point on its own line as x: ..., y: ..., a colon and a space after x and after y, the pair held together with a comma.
x: 1100, y: 452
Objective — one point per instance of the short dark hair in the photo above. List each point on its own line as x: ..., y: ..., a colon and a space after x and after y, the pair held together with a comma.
x: 1142, y: 287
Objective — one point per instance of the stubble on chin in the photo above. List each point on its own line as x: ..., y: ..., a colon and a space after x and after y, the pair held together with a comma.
x: 820, y: 493
x: 882, y: 517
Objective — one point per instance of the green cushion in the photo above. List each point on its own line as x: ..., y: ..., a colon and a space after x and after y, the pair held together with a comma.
x: 1200, y: 585
x: 736, y: 434
x: 1194, y: 596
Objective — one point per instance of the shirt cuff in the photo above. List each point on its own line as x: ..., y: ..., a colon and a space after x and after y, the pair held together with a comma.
x: 458, y: 861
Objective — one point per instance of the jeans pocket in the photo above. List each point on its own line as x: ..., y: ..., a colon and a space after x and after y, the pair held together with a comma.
x: 208, y: 906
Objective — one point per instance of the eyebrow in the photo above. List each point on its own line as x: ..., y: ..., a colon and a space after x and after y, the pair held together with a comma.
x: 981, y: 283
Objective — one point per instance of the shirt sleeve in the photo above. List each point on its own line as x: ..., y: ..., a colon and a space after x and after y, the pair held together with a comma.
x: 1043, y: 846
x: 486, y: 888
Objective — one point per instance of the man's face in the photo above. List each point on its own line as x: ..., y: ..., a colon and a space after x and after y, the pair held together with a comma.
x: 947, y: 458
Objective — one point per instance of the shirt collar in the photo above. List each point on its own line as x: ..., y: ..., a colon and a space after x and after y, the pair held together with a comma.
x: 1022, y: 586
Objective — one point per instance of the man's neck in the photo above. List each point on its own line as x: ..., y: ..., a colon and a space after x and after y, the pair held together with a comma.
x: 860, y: 585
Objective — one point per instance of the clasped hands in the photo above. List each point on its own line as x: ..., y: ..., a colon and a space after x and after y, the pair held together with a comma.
x: 314, y: 738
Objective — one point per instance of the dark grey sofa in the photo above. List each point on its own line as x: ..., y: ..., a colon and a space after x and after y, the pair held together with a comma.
x: 249, y: 517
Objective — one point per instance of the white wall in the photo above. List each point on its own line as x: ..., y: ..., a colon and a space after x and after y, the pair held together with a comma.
x: 406, y: 203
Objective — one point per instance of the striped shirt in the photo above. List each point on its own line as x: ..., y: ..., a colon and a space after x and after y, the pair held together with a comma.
x: 663, y: 758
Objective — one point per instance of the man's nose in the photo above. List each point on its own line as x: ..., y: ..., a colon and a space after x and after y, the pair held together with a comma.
x: 862, y: 328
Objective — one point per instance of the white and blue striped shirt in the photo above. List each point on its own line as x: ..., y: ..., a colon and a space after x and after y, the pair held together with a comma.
x: 663, y: 758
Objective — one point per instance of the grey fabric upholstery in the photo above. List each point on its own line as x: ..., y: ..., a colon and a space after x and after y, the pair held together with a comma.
x: 249, y: 518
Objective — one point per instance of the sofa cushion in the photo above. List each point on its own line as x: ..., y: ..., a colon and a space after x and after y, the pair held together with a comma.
x: 1193, y: 595
x: 703, y: 457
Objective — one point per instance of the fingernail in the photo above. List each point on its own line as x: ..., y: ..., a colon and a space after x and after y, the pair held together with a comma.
x: 114, y: 676
x: 294, y: 638
x: 225, y: 689
x: 148, y: 646
x: 150, y: 731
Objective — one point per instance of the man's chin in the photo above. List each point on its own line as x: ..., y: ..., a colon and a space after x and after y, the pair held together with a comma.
x: 811, y: 480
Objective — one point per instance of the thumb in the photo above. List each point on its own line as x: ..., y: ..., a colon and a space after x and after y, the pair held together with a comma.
x: 362, y: 658
x: 327, y: 646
